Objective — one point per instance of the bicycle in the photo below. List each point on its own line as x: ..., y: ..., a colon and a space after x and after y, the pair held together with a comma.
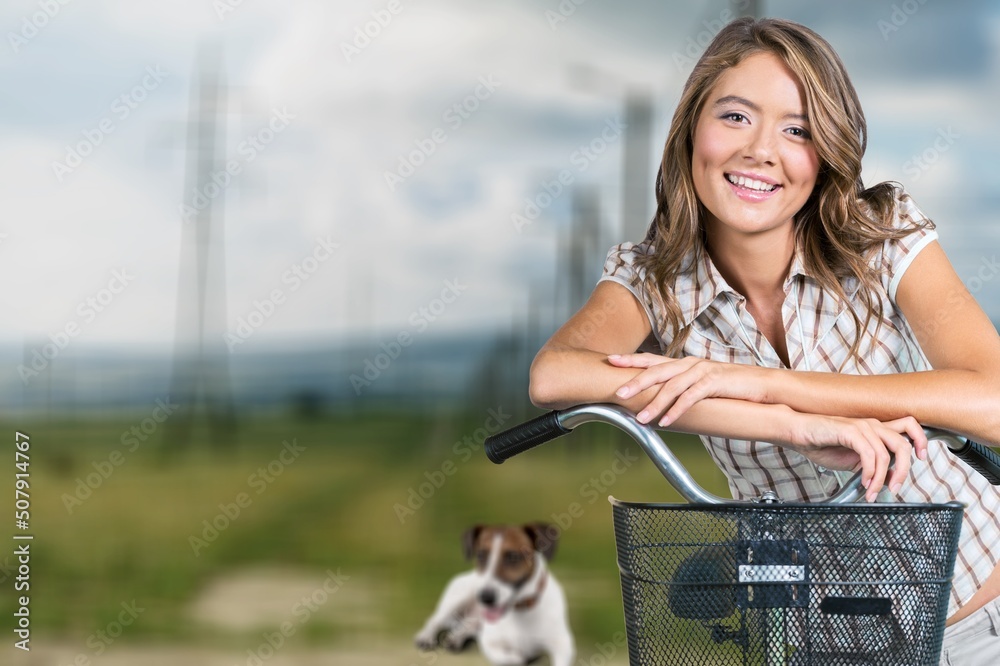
x: 719, y: 581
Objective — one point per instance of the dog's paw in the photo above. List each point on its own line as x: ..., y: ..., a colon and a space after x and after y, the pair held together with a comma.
x: 426, y: 641
x: 458, y: 642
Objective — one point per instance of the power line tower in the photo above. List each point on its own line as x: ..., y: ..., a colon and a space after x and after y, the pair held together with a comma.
x: 200, y: 382
x: 754, y: 8
x: 637, y: 177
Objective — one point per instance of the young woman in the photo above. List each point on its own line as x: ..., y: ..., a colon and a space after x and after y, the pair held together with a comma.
x: 799, y: 322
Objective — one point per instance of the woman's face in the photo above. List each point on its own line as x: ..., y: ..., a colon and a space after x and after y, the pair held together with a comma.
x: 754, y: 163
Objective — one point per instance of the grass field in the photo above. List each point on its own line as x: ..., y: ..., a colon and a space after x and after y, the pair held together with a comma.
x: 345, y: 529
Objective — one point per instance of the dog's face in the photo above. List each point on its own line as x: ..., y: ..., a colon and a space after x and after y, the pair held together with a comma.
x: 505, y: 560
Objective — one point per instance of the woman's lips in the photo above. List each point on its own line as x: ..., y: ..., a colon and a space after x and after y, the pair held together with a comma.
x: 751, y: 195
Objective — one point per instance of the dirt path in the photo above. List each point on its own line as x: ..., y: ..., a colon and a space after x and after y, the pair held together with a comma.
x: 255, y: 598
x: 383, y: 655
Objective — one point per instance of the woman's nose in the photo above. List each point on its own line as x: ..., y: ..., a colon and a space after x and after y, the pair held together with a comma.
x: 760, y: 147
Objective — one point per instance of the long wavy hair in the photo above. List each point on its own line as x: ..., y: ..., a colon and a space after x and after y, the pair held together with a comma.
x: 841, y: 223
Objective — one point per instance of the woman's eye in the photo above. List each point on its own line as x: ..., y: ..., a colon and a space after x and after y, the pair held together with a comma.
x: 799, y: 132
x: 735, y: 117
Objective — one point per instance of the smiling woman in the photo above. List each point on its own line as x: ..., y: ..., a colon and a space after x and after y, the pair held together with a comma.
x: 790, y: 308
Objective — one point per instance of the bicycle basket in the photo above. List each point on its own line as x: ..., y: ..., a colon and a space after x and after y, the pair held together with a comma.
x: 836, y: 585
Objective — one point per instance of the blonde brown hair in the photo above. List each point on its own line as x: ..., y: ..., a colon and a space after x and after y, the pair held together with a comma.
x: 840, y: 224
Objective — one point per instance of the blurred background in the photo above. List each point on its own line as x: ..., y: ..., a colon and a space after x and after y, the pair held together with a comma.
x: 274, y: 270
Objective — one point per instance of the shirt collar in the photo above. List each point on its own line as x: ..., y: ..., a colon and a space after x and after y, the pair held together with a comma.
x: 700, y: 284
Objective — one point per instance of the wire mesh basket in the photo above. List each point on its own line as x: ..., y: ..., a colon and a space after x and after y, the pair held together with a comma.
x: 771, y: 583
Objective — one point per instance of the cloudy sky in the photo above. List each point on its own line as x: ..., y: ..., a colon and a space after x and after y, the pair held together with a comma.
x: 319, y: 208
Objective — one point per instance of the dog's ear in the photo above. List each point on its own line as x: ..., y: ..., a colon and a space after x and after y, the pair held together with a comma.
x: 544, y: 537
x: 469, y: 540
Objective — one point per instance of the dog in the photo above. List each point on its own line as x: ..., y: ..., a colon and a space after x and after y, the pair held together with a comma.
x: 510, y: 603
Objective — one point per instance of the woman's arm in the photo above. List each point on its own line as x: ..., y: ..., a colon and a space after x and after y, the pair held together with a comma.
x: 961, y: 393
x: 572, y: 368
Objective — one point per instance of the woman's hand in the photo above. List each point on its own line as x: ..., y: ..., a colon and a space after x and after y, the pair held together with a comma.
x: 685, y: 381
x: 865, y: 444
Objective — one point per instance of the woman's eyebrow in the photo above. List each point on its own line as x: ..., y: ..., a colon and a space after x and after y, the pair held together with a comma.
x: 736, y: 99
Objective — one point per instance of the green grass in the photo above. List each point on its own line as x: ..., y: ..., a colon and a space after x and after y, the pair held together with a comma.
x: 337, y: 507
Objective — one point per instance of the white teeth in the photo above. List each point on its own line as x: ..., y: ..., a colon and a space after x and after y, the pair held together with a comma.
x: 749, y: 183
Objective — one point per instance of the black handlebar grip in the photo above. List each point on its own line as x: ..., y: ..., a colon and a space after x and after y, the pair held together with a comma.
x: 981, y: 458
x: 524, y: 436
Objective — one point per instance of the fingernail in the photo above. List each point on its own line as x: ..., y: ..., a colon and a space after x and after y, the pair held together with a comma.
x: 622, y: 392
x: 866, y: 483
x: 665, y: 421
x: 895, y: 488
x: 614, y: 355
x: 642, y: 417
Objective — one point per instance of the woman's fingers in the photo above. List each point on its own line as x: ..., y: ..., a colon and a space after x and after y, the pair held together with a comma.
x: 902, y: 450
x: 664, y: 398
x: 644, y: 360
x: 679, y: 388
x: 912, y: 429
x: 892, y: 438
x: 883, y: 440
x: 875, y: 445
x: 699, y: 390
x: 656, y: 373
x: 868, y: 448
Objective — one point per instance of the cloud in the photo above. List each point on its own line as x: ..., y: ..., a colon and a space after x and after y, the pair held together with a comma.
x: 356, y: 116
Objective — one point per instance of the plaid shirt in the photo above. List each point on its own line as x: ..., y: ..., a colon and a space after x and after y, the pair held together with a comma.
x: 819, y: 331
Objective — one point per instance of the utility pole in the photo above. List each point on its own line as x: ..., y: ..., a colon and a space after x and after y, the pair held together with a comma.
x: 200, y: 380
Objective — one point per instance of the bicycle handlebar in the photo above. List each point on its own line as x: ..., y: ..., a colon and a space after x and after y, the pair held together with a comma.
x: 978, y: 456
x: 552, y: 425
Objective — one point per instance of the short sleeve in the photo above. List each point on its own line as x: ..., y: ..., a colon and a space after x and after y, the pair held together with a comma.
x: 898, y: 254
x: 620, y: 267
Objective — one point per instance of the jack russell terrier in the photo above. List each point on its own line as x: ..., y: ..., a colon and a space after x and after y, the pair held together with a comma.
x: 510, y: 603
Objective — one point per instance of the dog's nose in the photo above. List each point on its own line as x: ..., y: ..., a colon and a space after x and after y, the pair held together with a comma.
x: 488, y: 597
